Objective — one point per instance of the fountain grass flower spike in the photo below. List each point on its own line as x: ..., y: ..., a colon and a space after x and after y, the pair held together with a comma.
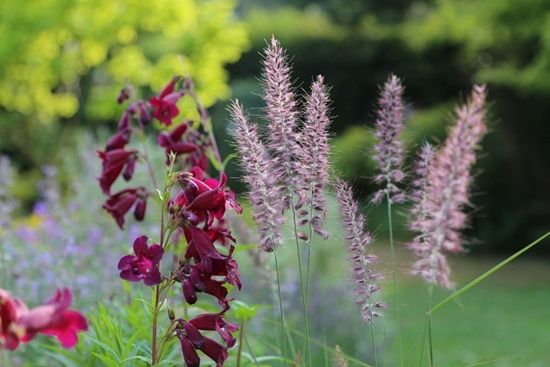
x: 314, y: 155
x: 193, y: 207
x: 263, y: 187
x: 282, y: 114
x: 439, y: 214
x: 388, y: 151
x: 19, y: 324
x: 365, y: 278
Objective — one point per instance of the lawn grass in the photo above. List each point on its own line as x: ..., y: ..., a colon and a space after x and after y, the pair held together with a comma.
x: 504, y: 321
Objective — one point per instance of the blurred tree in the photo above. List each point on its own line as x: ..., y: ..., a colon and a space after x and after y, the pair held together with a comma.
x: 66, y: 60
x: 56, y: 54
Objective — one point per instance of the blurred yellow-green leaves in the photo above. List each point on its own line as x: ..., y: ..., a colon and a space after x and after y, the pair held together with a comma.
x: 57, y: 55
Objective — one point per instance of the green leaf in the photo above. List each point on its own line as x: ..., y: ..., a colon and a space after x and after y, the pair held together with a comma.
x: 242, y: 311
x: 487, y: 274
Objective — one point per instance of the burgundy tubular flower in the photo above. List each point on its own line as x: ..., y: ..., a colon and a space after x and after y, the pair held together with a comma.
x: 144, y: 265
x: 191, y: 338
x: 164, y: 105
x: 114, y: 163
x: 11, y: 310
x: 119, y: 140
x: 120, y: 203
x: 172, y: 142
x: 124, y: 121
x: 144, y: 112
x: 206, y: 198
x: 55, y: 319
x: 19, y: 324
x: 124, y: 94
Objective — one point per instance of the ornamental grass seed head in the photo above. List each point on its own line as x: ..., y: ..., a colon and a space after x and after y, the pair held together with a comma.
x: 314, y: 157
x: 388, y: 150
x: 361, y: 260
x: 438, y: 212
x: 263, y: 186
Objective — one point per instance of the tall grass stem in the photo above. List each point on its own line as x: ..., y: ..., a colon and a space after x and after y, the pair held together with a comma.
x: 283, y: 330
x: 394, y: 280
x: 487, y: 274
x: 307, y: 355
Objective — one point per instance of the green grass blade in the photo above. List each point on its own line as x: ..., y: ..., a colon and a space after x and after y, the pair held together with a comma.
x: 487, y: 274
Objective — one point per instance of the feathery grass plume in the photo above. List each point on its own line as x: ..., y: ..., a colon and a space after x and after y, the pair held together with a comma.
x: 418, y: 211
x: 262, y: 184
x: 388, y: 150
x: 359, y: 239
x: 314, y: 157
x: 282, y: 115
x: 441, y: 217
x: 338, y: 358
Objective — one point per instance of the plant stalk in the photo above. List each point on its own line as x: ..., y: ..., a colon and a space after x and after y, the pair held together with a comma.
x: 283, y: 329
x: 307, y: 354
x: 487, y: 274
x: 394, y: 281
x: 239, y: 352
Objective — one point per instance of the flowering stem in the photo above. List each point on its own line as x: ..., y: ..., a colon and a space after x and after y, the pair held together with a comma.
x: 154, y: 329
x: 310, y: 238
x: 429, y: 323
x: 373, y: 344
x: 239, y: 352
x: 307, y: 355
x: 394, y: 270
x: 156, y: 299
x: 283, y: 330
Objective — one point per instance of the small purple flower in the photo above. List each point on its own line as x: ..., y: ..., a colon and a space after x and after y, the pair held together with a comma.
x: 144, y: 265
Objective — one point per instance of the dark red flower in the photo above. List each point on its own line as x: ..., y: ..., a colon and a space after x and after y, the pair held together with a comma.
x: 144, y: 265
x: 55, y: 319
x: 119, y: 140
x: 215, y: 321
x: 172, y: 142
x: 19, y: 324
x: 121, y: 202
x: 192, y: 339
x: 164, y: 105
x: 124, y: 94
x: 124, y: 121
x: 206, y: 197
x: 114, y: 162
x: 144, y: 111
x: 11, y: 310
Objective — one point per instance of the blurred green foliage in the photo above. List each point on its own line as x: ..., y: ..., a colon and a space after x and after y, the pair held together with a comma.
x: 51, y: 50
x: 62, y: 62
